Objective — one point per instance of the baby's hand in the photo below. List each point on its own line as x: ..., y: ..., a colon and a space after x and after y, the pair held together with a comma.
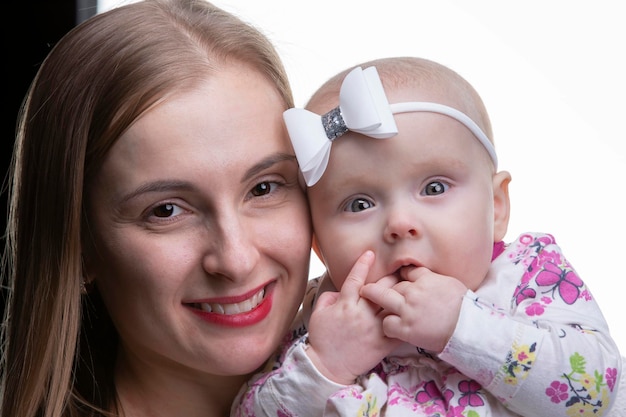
x: 346, y: 336
x: 423, y: 310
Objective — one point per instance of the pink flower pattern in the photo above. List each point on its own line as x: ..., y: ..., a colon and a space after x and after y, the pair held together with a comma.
x: 582, y: 391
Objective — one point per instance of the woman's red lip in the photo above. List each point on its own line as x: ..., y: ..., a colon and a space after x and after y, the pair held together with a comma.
x: 248, y: 318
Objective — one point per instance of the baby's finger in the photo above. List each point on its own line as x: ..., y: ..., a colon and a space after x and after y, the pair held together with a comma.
x: 393, y: 328
x: 386, y: 297
x: 413, y: 273
x: 357, y: 276
x: 388, y: 281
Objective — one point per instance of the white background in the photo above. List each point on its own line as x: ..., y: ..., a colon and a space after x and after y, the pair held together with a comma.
x: 552, y: 75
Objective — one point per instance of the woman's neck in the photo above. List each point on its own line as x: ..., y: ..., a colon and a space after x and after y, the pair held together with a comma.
x: 213, y: 403
x: 152, y: 394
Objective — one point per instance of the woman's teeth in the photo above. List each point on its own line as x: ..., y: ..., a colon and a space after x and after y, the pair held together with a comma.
x: 236, y: 308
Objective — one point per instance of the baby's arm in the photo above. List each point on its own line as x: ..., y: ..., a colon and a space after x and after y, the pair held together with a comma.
x: 550, y: 352
x: 345, y: 339
x: 535, y: 369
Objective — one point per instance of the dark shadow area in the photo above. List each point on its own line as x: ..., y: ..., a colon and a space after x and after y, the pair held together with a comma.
x: 30, y: 29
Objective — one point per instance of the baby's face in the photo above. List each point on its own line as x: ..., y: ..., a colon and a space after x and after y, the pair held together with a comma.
x: 424, y: 198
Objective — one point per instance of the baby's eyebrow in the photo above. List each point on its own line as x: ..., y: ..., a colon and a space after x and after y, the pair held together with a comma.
x: 267, y: 162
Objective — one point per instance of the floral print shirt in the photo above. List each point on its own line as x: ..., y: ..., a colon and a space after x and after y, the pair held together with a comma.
x: 530, y: 342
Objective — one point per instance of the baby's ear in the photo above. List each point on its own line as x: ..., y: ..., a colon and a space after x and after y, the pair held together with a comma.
x: 501, y: 204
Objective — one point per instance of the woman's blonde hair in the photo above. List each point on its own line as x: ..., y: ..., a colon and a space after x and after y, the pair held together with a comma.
x: 58, y: 346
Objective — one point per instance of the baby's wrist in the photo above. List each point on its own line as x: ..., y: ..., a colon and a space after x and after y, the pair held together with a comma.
x: 333, y: 375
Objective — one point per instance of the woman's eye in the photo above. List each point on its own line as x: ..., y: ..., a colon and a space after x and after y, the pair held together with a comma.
x: 435, y: 188
x: 359, y: 204
x: 263, y: 188
x: 166, y: 210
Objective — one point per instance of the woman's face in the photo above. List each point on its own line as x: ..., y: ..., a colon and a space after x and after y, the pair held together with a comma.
x: 202, y: 233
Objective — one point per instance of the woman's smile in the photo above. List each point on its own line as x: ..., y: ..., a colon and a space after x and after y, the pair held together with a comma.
x: 254, y: 308
x: 230, y: 305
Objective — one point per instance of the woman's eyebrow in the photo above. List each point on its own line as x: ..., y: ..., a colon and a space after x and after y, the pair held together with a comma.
x: 266, y: 163
x: 155, y: 187
x: 165, y: 185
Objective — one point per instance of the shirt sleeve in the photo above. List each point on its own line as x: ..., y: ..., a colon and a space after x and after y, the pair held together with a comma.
x: 296, y: 388
x: 549, y: 351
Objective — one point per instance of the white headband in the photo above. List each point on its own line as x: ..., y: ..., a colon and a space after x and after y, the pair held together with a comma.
x: 363, y: 108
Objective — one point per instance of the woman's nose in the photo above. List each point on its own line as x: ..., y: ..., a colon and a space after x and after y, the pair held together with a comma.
x: 233, y: 253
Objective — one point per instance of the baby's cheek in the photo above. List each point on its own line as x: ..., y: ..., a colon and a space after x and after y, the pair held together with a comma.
x: 337, y: 274
x: 339, y: 268
x: 376, y: 273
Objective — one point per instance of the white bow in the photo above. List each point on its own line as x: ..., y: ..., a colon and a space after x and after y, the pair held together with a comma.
x: 363, y: 108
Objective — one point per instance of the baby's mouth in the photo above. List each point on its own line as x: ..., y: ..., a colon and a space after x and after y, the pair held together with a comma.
x: 231, y: 308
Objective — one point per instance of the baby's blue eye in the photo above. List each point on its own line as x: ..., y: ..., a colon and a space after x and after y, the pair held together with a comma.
x: 359, y: 204
x: 435, y: 188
